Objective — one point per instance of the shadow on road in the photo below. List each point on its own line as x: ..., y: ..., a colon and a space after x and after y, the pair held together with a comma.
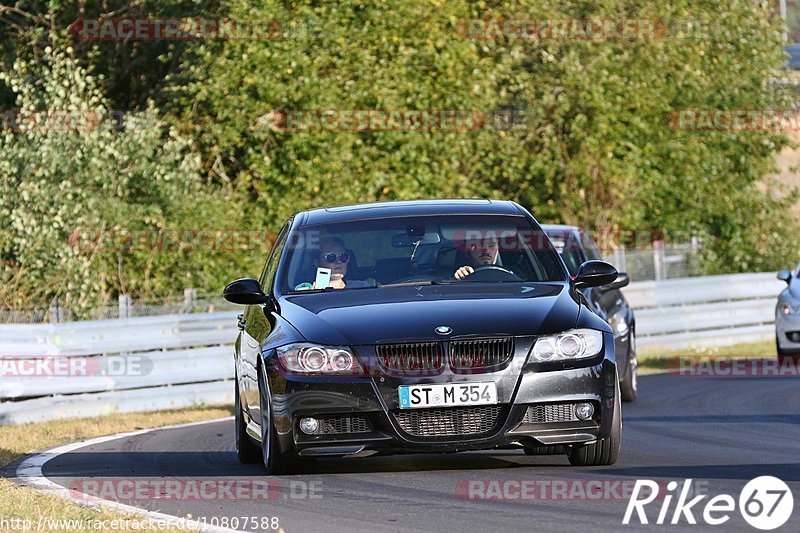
x: 224, y: 464
x: 784, y: 471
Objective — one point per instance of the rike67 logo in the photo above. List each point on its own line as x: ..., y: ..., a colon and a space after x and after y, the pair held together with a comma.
x: 765, y: 503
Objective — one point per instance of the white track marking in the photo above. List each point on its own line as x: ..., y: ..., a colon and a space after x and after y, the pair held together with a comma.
x: 30, y: 473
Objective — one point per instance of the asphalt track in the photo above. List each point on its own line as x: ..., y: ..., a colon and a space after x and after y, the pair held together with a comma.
x: 719, y: 431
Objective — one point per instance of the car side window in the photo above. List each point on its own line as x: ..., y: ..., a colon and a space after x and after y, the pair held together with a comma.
x: 590, y: 248
x: 268, y: 275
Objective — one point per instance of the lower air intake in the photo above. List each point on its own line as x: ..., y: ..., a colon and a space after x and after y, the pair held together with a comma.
x: 344, y: 424
x: 555, y: 412
x: 450, y: 421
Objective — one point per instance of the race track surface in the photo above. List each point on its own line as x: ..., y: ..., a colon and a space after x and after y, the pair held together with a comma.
x: 721, y: 432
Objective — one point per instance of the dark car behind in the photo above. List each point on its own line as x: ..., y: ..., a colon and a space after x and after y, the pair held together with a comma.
x: 576, y: 246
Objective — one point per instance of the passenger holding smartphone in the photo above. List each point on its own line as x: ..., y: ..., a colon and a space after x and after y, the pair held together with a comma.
x: 333, y: 255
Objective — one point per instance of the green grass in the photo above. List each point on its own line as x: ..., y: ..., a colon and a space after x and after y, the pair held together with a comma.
x: 652, y: 361
x: 23, y: 503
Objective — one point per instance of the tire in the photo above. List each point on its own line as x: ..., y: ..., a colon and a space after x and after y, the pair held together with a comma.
x: 270, y: 454
x: 247, y: 451
x: 629, y: 386
x: 544, y: 450
x: 604, y: 451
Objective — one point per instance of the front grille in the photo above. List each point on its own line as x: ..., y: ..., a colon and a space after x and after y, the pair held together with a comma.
x: 411, y: 357
x: 449, y: 421
x: 344, y: 424
x: 556, y: 412
x: 480, y: 353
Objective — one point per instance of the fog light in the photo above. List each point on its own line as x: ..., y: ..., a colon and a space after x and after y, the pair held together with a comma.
x: 309, y: 425
x: 584, y: 411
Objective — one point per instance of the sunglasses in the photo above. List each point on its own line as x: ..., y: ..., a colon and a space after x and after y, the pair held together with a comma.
x: 331, y: 258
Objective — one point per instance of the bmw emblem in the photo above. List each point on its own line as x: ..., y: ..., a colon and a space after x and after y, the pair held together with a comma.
x: 444, y: 330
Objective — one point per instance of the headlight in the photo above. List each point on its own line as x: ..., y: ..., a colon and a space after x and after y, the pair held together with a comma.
x: 789, y: 309
x: 572, y: 344
x: 619, y: 322
x: 315, y: 359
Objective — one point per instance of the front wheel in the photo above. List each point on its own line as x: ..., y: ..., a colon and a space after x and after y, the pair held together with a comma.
x: 603, y: 451
x: 270, y: 454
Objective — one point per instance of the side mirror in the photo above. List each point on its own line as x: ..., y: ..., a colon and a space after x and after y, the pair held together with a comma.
x: 623, y: 280
x: 245, y: 291
x: 785, y: 275
x: 594, y: 274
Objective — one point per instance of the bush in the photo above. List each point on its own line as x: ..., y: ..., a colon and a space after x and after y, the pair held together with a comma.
x: 70, y: 174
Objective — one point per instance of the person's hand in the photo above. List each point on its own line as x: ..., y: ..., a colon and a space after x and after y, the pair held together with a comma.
x: 463, y: 272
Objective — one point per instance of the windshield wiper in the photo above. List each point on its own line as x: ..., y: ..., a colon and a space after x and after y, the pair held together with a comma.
x: 406, y: 284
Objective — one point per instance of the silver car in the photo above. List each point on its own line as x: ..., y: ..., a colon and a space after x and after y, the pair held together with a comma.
x: 787, y: 316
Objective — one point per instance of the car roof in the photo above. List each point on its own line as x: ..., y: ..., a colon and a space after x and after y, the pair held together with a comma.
x: 559, y: 227
x: 345, y: 213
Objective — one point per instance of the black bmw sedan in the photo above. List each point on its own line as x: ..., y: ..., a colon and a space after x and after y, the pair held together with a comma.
x: 422, y: 326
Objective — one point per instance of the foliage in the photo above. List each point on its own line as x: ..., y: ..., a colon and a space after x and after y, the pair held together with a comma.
x: 598, y: 148
x: 70, y: 174
x: 595, y: 144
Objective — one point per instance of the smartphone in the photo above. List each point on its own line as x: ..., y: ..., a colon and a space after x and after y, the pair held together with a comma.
x: 323, y: 278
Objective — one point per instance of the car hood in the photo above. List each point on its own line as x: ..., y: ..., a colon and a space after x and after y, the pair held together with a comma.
x: 411, y: 313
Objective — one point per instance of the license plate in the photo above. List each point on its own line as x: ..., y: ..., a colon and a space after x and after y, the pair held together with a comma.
x: 447, y: 394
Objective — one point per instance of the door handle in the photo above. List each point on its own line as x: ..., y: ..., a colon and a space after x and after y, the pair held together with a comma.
x: 240, y: 322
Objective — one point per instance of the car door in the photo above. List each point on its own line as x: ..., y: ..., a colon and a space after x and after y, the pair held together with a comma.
x: 255, y: 326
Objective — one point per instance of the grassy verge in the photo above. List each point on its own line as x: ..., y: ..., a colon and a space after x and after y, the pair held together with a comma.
x: 652, y: 361
x: 22, y: 503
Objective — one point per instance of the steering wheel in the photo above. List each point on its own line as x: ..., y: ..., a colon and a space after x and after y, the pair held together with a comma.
x: 492, y: 273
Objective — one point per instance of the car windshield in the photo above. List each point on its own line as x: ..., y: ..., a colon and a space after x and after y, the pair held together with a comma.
x: 575, y: 247
x: 424, y: 249
x: 568, y: 246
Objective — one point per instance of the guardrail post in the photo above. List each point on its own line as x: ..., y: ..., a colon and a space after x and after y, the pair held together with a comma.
x: 56, y: 312
x: 619, y: 258
x: 659, y: 264
x: 189, y: 299
x: 124, y: 306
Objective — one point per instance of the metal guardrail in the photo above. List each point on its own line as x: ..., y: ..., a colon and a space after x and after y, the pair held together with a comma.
x: 183, y: 360
x: 103, y: 366
x: 705, y: 312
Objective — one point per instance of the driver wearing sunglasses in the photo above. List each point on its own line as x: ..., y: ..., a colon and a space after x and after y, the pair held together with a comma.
x: 333, y: 254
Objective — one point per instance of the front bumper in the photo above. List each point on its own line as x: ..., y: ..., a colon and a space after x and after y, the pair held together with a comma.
x: 787, y: 333
x: 365, y: 415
